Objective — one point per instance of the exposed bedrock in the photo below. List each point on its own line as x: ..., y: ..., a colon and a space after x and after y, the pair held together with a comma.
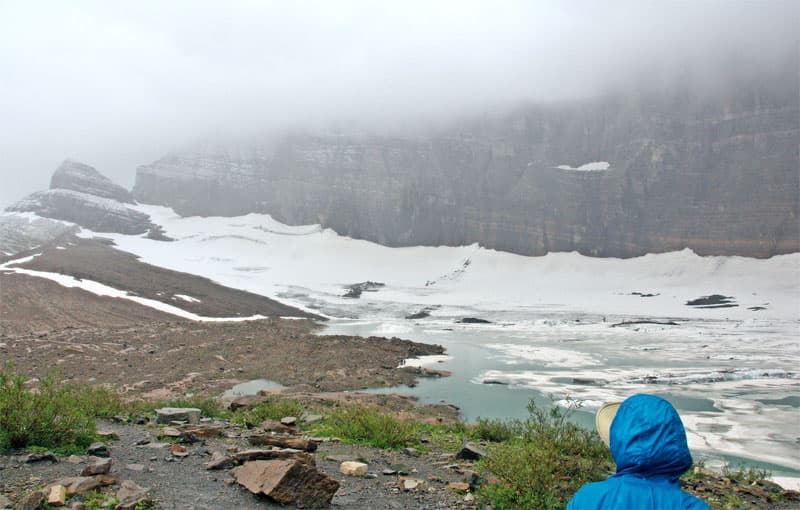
x: 80, y: 194
x: 717, y: 175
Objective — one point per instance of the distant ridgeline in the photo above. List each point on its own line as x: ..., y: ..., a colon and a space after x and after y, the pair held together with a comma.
x: 617, y: 176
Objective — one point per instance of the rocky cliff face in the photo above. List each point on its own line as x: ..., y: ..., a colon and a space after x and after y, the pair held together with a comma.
x: 76, y: 176
x: 718, y: 175
x: 79, y: 194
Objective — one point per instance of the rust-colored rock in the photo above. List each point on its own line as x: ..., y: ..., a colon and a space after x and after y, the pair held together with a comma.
x: 219, y: 461
x: 297, y: 443
x: 287, y: 482
x: 57, y: 495
x: 245, y: 402
x: 130, y: 495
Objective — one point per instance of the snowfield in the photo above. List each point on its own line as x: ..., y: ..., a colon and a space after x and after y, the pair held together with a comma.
x: 559, y: 325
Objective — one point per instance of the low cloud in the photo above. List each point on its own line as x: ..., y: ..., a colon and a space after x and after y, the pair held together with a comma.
x: 117, y: 85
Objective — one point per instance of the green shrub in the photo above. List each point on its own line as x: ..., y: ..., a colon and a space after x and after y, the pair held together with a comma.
x: 363, y: 425
x: 273, y: 408
x: 746, y: 475
x: 543, y: 466
x: 496, y: 430
x: 57, y: 415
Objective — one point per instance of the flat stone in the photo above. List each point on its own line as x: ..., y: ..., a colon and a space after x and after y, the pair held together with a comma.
x: 134, y: 467
x: 100, y: 467
x: 297, y: 443
x: 81, y: 484
x: 57, y: 496
x: 289, y: 421
x: 460, y: 487
x: 130, y: 495
x: 39, y: 457
x: 220, y: 461
x: 276, y: 426
x: 287, y: 482
x: 353, y: 468
x: 108, y: 435
x: 169, y: 432
x: 202, y: 430
x: 181, y: 414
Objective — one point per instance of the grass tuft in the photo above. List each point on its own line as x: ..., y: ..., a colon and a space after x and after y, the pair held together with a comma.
x: 543, y: 463
x: 273, y: 408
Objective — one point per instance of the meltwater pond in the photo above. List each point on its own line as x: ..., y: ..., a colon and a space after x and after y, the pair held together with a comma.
x: 735, y: 384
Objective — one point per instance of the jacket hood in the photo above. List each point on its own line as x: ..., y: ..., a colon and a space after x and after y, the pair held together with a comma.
x: 648, y: 439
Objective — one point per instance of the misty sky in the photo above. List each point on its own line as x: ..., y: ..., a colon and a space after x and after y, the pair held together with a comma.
x: 118, y: 85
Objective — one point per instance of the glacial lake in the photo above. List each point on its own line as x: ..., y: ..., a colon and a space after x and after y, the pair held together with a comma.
x: 738, y: 410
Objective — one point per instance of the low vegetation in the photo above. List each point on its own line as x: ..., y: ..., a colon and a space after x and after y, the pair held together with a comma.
x: 542, y: 460
x: 535, y: 463
x: 56, y: 415
x: 273, y: 408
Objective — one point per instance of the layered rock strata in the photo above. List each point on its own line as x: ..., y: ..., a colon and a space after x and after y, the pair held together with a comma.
x: 617, y: 176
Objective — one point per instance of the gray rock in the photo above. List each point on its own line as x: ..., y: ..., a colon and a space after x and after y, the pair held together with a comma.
x: 85, y: 179
x: 98, y: 450
x: 717, y: 174
x: 100, y: 467
x: 182, y: 414
x: 20, y: 233
x: 470, y: 452
x: 95, y: 213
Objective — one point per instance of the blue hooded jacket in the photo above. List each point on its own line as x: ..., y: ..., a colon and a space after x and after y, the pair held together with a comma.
x: 648, y: 443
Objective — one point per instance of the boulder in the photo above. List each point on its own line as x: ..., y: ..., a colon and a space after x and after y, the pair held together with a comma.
x: 287, y: 482
x: 470, y: 452
x: 170, y: 414
x: 100, y: 467
x: 352, y: 468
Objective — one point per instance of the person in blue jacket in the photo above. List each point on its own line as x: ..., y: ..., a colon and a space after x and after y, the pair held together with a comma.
x: 648, y: 443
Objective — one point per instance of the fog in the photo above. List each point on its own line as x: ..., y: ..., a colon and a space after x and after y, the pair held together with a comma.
x: 117, y: 86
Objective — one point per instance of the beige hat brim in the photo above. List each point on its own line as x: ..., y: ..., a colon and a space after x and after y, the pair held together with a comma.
x: 603, y: 419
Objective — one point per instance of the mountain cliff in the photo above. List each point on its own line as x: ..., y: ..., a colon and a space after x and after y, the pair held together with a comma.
x: 616, y: 176
x: 81, y: 195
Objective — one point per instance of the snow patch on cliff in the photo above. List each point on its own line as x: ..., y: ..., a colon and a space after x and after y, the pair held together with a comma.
x: 594, y: 166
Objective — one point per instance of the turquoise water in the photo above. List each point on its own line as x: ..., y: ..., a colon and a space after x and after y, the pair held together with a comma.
x: 595, y: 366
x: 252, y: 388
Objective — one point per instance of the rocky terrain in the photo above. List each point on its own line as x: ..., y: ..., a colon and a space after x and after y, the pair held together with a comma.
x: 714, y: 173
x: 81, y: 195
